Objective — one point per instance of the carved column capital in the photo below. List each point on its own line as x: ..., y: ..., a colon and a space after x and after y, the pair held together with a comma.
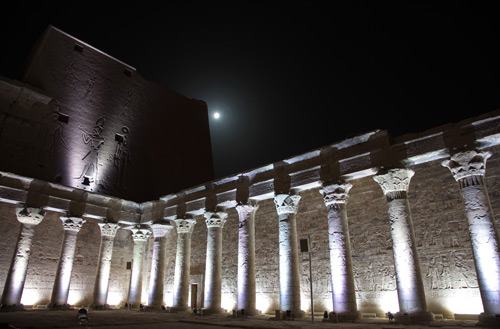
x: 215, y: 219
x: 395, y: 182
x: 72, y: 223
x: 335, y: 193
x: 140, y: 233
x: 160, y: 230
x: 185, y: 225
x: 246, y: 209
x: 467, y: 164
x: 108, y: 229
x: 286, y: 204
x: 30, y: 216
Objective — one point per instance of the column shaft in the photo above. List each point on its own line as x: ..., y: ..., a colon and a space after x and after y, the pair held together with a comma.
x: 213, y: 264
x: 155, y: 297
x: 343, y: 291
x: 60, y: 291
x: 411, y: 295
x: 485, y: 246
x: 14, y: 285
x: 108, y: 232
x: 103, y: 272
x: 182, y: 264
x: 288, y: 253
x: 246, y: 258
x: 468, y: 169
x: 135, y: 289
x: 17, y: 273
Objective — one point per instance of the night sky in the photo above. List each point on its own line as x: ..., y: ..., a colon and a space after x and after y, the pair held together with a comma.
x: 293, y: 77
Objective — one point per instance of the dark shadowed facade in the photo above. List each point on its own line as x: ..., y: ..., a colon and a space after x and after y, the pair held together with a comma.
x: 84, y: 119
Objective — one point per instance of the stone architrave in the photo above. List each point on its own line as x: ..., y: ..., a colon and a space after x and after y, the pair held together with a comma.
x: 108, y: 232
x: 343, y: 290
x: 468, y: 168
x: 289, y: 276
x: 246, y: 258
x: 14, y: 285
x: 182, y: 263
x: 71, y: 226
x: 140, y: 237
x: 411, y: 295
x: 213, y: 266
x: 157, y: 273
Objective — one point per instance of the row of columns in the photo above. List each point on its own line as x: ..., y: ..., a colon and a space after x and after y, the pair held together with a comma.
x: 468, y: 168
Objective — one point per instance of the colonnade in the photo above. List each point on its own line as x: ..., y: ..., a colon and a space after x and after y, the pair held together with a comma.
x: 468, y: 169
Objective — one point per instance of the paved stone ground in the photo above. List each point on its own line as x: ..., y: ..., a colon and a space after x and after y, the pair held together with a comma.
x: 152, y: 320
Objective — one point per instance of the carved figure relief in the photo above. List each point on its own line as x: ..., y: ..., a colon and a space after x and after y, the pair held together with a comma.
x: 94, y: 141
x: 89, y: 86
x: 121, y: 157
x: 56, y: 139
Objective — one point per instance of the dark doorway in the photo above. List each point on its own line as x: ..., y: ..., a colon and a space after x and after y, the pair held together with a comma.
x: 194, y: 296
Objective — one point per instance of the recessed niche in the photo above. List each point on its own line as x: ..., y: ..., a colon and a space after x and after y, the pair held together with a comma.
x: 128, y: 73
x: 119, y: 138
x: 61, y: 117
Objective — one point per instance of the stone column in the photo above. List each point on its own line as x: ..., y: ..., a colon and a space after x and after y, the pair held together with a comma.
x: 411, y: 296
x: 72, y: 226
x: 213, y: 264
x: 14, y: 285
x: 343, y: 291
x: 182, y: 263
x: 140, y: 238
x: 287, y: 206
x: 246, y: 258
x: 468, y: 169
x: 155, y: 296
x: 108, y: 232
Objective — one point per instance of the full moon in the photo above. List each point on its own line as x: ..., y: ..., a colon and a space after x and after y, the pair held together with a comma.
x: 216, y: 115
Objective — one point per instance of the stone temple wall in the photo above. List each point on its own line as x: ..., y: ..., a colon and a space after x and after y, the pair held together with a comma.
x: 440, y: 228
x: 84, y: 119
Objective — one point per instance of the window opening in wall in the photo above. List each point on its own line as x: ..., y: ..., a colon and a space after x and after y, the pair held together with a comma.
x: 129, y: 265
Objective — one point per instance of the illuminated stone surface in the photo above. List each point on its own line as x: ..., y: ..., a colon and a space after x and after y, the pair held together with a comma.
x: 213, y: 265
x: 343, y: 291
x: 155, y: 294
x: 468, y: 168
x: 108, y: 232
x: 182, y: 263
x: 289, y: 276
x: 411, y: 295
x: 140, y: 236
x: 72, y: 226
x: 13, y: 289
x: 246, y: 258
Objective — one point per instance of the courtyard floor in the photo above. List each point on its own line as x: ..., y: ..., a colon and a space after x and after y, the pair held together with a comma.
x: 153, y: 320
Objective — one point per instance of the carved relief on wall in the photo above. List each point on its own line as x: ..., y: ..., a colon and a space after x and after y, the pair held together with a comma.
x: 374, y: 275
x: 94, y: 141
x: 121, y: 157
x: 449, y: 270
